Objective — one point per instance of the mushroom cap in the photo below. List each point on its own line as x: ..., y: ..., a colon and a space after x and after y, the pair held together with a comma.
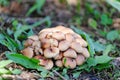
x: 63, y: 45
x: 45, y: 43
x: 59, y: 56
x: 28, y: 42
x: 67, y: 30
x: 86, y: 52
x: 49, y: 65
x: 36, y: 44
x: 82, y: 42
x: 70, y: 53
x: 53, y: 43
x: 28, y: 52
x: 51, y: 52
x: 69, y: 62
x: 59, y: 63
x: 34, y: 37
x: 60, y: 28
x: 80, y: 59
x: 58, y: 35
x: 69, y: 37
x: 46, y: 63
x: 43, y: 35
x: 77, y: 47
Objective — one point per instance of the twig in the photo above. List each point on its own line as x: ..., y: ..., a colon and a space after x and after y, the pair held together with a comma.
x: 59, y: 75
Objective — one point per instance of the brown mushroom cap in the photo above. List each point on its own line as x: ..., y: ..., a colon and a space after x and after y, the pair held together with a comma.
x: 82, y: 42
x: 77, y: 47
x: 80, y: 59
x: 34, y: 37
x: 69, y: 37
x: 59, y: 56
x: 28, y: 42
x: 69, y: 62
x: 51, y: 52
x: 36, y: 44
x: 59, y: 63
x: 64, y: 45
x: 53, y: 43
x: 58, y: 35
x: 45, y: 43
x: 43, y: 35
x: 49, y: 65
x: 28, y: 52
x: 70, y: 53
x: 46, y: 63
x: 86, y: 53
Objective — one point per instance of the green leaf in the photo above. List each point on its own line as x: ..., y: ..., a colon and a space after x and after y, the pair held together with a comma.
x: 91, y: 62
x: 4, y: 71
x: 104, y: 58
x: 112, y: 35
x: 16, y: 71
x: 76, y: 75
x: 23, y: 60
x: 4, y: 63
x: 105, y: 20
x: 114, y: 3
x: 88, y: 39
x: 92, y: 23
x: 99, y: 47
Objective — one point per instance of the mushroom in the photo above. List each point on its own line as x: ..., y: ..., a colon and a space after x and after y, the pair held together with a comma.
x: 43, y: 35
x: 70, y: 53
x: 46, y: 63
x: 45, y: 43
x: 51, y: 52
x: 69, y: 37
x: 80, y: 59
x: 28, y: 52
x: 36, y: 44
x: 53, y: 43
x: 69, y: 62
x: 59, y: 56
x: 86, y: 53
x: 28, y: 42
x: 59, y: 63
x: 63, y: 45
x: 77, y: 47
x: 34, y: 37
x: 60, y: 34
x: 82, y: 42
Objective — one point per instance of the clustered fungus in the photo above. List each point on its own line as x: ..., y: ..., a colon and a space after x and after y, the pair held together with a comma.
x: 58, y: 46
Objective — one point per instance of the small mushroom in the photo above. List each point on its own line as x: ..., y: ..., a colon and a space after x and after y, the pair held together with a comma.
x: 28, y: 52
x: 53, y: 43
x: 46, y: 63
x: 38, y: 51
x: 82, y: 42
x: 36, y: 44
x: 58, y: 35
x: 59, y: 56
x: 59, y: 63
x: 70, y: 53
x: 28, y: 42
x: 69, y: 37
x: 34, y: 37
x: 86, y: 53
x: 39, y: 57
x: 67, y: 30
x: 43, y: 35
x: 64, y: 45
x: 45, y: 43
x: 49, y: 35
x: 51, y: 52
x: 77, y: 47
x: 80, y: 59
x: 69, y: 62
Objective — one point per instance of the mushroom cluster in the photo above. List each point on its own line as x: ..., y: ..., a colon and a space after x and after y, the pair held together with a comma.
x: 58, y: 46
